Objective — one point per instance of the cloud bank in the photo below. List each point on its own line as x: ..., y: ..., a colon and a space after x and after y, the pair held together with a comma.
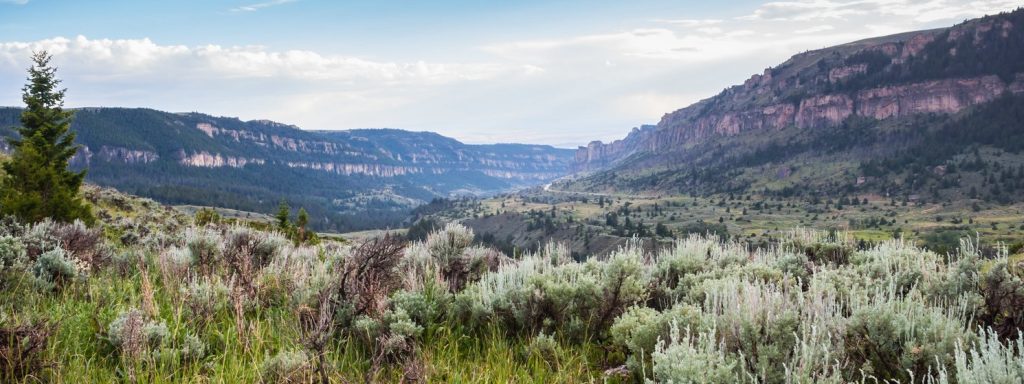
x: 564, y: 90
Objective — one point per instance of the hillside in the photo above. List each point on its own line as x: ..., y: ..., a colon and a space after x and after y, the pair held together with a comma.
x: 375, y: 175
x: 934, y: 114
x: 150, y: 296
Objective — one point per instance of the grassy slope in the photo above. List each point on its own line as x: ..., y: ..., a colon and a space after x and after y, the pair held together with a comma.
x: 79, y: 351
x: 914, y: 220
x: 448, y: 350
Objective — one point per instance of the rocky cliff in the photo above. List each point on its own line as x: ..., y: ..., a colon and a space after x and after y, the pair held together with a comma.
x: 192, y: 158
x: 939, y: 71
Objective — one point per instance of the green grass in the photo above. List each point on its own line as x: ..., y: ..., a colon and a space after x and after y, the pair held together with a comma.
x: 913, y: 220
x: 79, y: 351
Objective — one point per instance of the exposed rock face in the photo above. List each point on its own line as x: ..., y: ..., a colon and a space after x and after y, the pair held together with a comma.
x: 360, y: 169
x: 126, y: 155
x: 215, y: 160
x: 377, y: 153
x: 109, y: 154
x: 940, y: 96
x: 597, y: 155
x: 836, y: 75
x: 813, y: 91
x: 824, y: 110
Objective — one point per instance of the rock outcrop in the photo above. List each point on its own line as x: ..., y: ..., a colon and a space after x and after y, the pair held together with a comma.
x: 873, y: 78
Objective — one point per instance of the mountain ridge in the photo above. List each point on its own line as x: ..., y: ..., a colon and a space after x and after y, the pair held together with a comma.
x: 822, y: 122
x: 199, y: 159
x: 773, y: 99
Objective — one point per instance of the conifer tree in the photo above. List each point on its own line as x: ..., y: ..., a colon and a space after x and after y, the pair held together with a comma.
x: 38, y: 183
x: 283, y: 211
x: 300, y: 223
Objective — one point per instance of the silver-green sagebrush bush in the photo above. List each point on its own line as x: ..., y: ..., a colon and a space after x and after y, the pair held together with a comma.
x: 56, y: 269
x: 688, y: 357
x: 12, y: 255
x: 288, y: 367
x: 134, y: 336
x: 811, y: 309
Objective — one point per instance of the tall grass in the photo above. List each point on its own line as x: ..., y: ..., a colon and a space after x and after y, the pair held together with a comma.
x: 230, y: 304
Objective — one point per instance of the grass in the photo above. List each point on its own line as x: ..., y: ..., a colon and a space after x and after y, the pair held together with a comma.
x: 913, y: 220
x: 80, y: 352
x: 520, y: 320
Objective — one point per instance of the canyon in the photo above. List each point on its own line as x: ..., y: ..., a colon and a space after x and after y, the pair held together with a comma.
x: 823, y: 88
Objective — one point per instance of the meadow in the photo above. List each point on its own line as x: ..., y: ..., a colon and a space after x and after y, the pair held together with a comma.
x: 152, y: 296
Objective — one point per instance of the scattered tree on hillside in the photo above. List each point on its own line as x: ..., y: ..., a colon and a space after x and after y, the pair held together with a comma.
x: 283, y: 211
x: 38, y: 183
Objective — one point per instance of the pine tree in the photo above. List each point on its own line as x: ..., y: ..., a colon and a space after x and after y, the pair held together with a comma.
x: 301, y: 222
x: 38, y: 183
x: 283, y: 211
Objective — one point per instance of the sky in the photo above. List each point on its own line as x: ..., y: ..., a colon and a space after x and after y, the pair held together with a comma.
x: 558, y: 72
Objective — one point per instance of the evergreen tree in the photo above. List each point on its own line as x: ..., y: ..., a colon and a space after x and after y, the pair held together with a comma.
x: 300, y: 223
x: 283, y: 211
x: 38, y: 183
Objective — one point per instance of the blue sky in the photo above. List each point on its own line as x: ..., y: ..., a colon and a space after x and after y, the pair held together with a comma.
x: 556, y: 72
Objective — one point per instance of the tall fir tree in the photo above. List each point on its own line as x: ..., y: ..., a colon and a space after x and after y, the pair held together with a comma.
x: 283, y: 211
x: 38, y: 183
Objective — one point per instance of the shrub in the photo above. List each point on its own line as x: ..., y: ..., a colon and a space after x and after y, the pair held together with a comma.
x: 288, y: 367
x: 757, y: 320
x: 1002, y: 290
x: 125, y: 262
x: 133, y: 336
x: 450, y: 242
x: 204, y: 297
x: 892, y: 339
x: 693, y: 358
x: 578, y: 299
x: 424, y: 307
x: 369, y: 276
x: 204, y: 246
x: 400, y: 339
x: 192, y: 348
x: 55, y: 269
x: 247, y: 251
x: 22, y: 350
x: 12, y: 256
x: 39, y: 238
x: 822, y: 253
x: 639, y: 329
x: 989, y: 360
x: 206, y: 216
x: 174, y: 264
x: 544, y: 348
x: 794, y: 265
x: 83, y: 243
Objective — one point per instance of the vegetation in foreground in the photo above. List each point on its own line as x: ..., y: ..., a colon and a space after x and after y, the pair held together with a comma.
x: 227, y: 303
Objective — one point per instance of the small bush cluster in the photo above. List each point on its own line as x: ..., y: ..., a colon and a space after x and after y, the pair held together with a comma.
x: 812, y: 309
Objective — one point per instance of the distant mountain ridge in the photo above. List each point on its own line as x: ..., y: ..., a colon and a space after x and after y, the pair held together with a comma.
x: 351, y: 179
x: 853, y: 103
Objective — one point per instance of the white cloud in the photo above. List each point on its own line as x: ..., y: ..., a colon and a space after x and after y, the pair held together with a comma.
x: 106, y: 58
x: 560, y: 89
x: 917, y: 10
x: 690, y: 22
x: 258, y: 6
x: 815, y: 29
x: 15, y: 2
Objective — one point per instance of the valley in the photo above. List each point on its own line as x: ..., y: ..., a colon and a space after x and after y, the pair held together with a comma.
x: 853, y: 214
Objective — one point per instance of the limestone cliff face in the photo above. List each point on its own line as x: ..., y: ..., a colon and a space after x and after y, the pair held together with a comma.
x: 86, y: 155
x: 597, y: 155
x: 939, y: 96
x: 874, y: 78
x: 376, y: 153
x: 215, y: 160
